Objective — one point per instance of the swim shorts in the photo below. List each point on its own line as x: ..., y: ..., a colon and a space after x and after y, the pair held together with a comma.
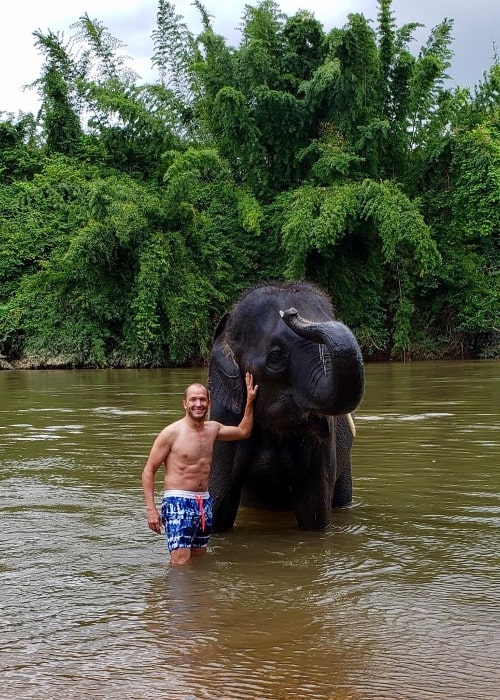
x: 187, y: 518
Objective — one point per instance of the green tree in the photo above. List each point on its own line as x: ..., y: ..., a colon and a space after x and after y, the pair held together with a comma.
x: 132, y: 215
x: 249, y: 98
x: 461, y: 200
x: 60, y: 109
x: 20, y: 155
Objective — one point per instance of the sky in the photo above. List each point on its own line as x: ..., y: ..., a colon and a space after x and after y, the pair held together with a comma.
x: 476, y: 32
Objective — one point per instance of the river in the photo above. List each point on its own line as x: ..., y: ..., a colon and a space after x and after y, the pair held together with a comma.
x: 397, y: 599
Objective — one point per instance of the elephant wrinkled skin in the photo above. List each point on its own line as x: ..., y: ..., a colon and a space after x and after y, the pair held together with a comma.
x: 310, y: 374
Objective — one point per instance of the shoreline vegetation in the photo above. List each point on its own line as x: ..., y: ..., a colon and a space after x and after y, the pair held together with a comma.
x: 64, y: 362
x: 133, y: 215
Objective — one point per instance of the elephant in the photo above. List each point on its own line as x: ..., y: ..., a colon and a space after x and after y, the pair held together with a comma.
x: 310, y: 374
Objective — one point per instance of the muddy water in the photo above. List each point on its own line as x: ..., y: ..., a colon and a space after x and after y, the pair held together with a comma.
x: 399, y: 598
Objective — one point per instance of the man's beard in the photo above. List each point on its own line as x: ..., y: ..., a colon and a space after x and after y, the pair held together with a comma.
x: 198, y: 419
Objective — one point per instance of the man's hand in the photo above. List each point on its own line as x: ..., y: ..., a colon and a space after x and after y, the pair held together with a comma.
x: 154, y: 520
x: 251, y: 389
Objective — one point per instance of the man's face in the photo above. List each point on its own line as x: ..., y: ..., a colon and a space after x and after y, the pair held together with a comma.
x: 196, y: 403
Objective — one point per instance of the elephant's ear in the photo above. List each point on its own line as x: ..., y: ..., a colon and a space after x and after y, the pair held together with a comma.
x: 224, y: 377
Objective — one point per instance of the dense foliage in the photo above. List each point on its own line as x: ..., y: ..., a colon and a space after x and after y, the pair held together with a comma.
x: 133, y: 215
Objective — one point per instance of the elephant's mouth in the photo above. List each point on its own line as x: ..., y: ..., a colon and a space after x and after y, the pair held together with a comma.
x: 282, y: 416
x: 318, y: 426
x: 288, y: 419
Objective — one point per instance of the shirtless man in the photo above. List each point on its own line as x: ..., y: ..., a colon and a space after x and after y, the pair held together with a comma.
x: 185, y: 448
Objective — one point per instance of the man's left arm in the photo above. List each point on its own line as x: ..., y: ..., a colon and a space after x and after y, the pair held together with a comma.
x: 244, y: 429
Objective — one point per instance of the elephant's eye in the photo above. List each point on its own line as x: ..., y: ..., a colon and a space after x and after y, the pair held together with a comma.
x: 276, y: 359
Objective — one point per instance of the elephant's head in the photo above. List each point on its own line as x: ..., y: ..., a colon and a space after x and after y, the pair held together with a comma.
x: 305, y: 363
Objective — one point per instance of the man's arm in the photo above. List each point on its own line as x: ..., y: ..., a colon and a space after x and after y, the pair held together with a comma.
x: 244, y: 429
x: 158, y: 455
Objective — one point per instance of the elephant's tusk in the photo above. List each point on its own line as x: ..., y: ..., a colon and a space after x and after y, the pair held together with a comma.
x: 350, y: 420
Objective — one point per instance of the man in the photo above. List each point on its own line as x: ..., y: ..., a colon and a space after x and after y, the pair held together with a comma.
x: 185, y: 448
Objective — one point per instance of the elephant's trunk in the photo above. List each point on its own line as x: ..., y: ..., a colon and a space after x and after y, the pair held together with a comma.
x: 340, y: 387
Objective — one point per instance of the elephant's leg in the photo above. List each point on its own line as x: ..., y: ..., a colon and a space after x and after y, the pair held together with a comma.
x: 229, y: 463
x: 225, y: 508
x: 313, y: 510
x: 312, y: 489
x: 342, y: 494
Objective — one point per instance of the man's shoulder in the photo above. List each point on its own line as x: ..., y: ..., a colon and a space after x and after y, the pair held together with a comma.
x: 172, y: 429
x: 212, y: 426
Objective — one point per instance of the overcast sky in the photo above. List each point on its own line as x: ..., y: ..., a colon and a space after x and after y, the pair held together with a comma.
x: 476, y: 31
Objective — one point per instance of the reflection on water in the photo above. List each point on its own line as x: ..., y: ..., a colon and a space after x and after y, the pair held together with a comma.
x: 397, y: 599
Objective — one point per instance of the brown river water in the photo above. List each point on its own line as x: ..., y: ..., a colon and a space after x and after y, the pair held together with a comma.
x: 398, y: 599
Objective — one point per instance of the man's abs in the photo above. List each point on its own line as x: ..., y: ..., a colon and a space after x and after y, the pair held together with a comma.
x: 192, y: 477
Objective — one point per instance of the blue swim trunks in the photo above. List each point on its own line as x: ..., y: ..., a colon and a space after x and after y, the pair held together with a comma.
x: 187, y: 518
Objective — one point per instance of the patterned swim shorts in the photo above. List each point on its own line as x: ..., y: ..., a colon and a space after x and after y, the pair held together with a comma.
x: 187, y: 518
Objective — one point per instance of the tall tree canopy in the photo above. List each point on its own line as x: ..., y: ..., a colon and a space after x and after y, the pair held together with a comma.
x: 132, y: 215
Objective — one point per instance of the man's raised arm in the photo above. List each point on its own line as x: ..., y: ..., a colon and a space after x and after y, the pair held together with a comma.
x: 244, y: 429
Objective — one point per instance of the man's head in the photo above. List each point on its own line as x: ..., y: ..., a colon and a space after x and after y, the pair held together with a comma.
x: 196, y: 402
